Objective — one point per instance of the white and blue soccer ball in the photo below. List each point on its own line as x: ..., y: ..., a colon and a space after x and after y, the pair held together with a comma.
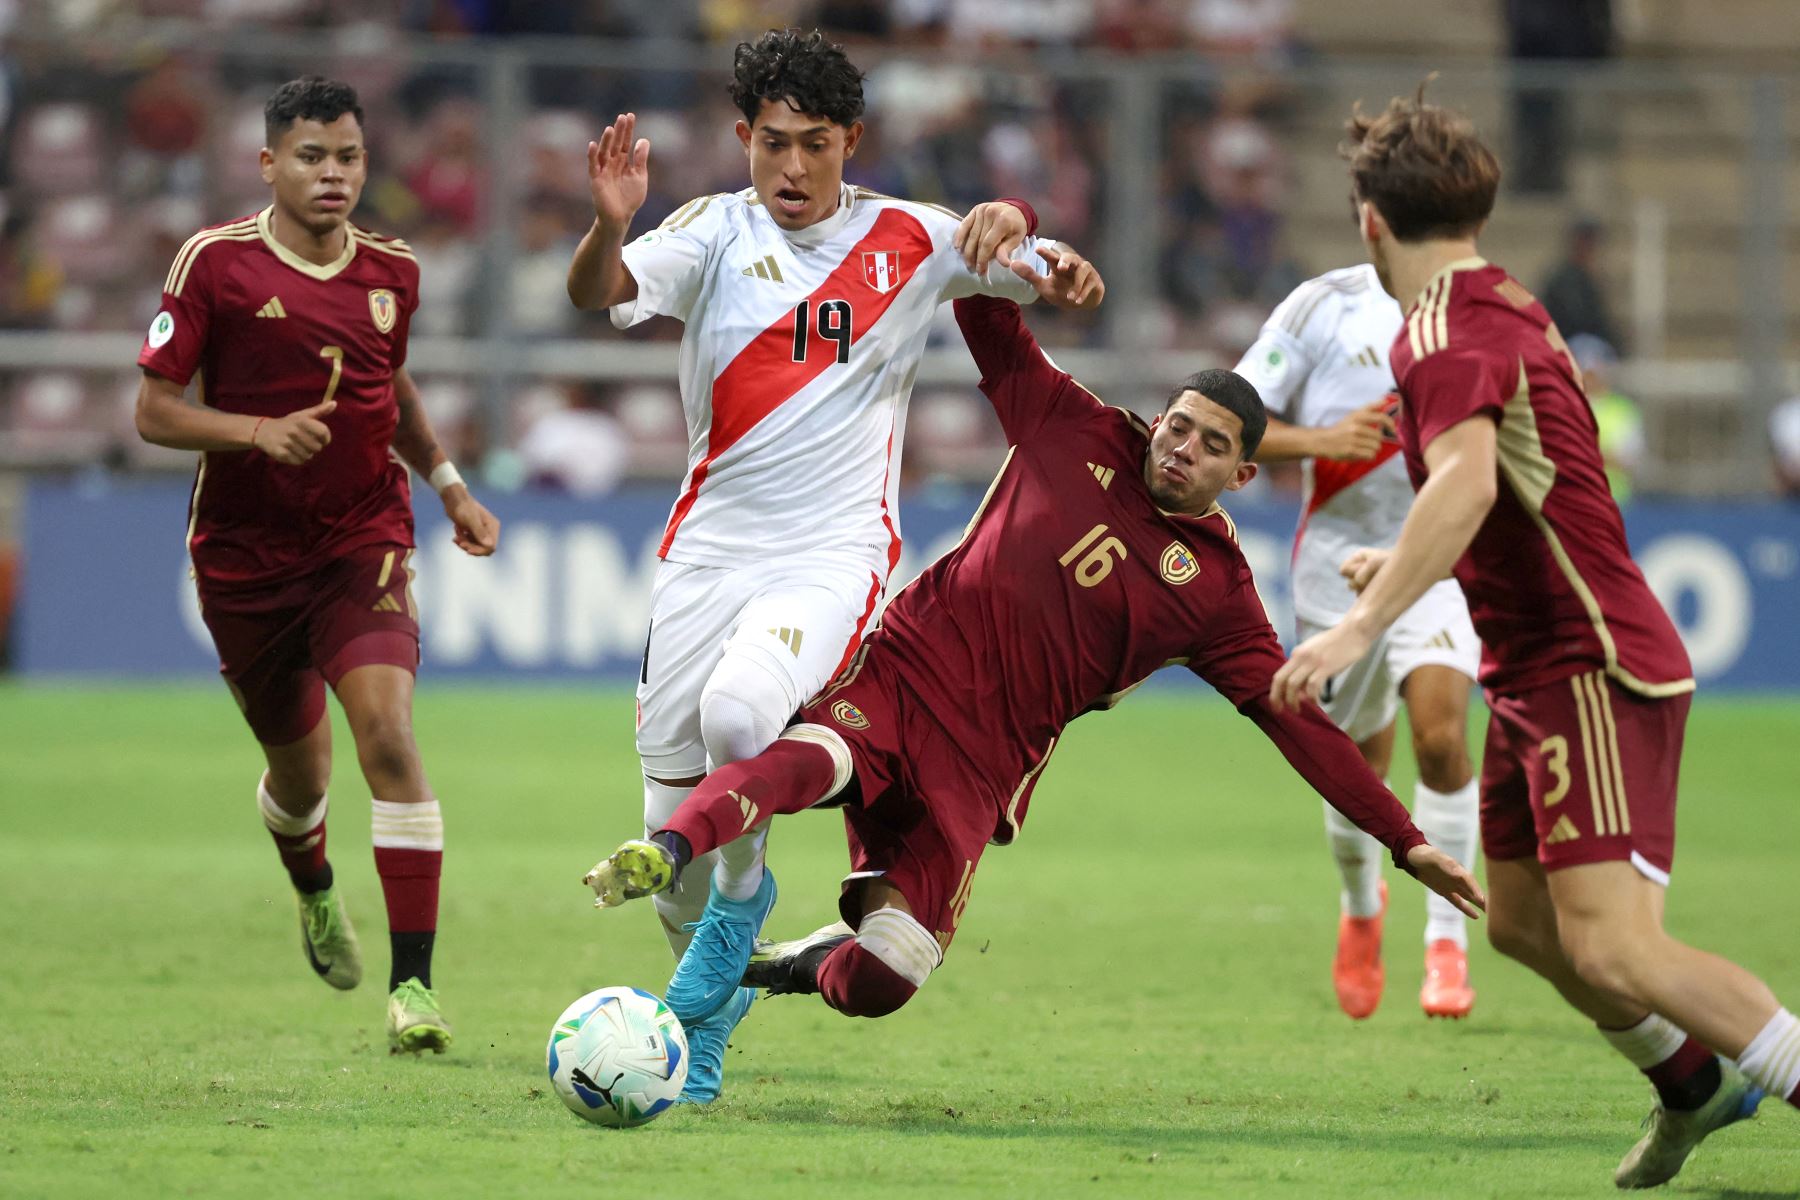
x: 618, y: 1057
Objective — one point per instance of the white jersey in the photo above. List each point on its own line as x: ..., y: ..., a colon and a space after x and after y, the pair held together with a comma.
x: 796, y: 366
x: 1322, y: 354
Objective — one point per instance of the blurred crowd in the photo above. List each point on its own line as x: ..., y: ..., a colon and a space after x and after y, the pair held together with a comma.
x: 113, y: 156
x: 116, y: 144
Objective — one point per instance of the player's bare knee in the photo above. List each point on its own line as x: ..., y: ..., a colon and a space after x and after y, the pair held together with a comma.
x: 1603, y: 959
x: 1443, y: 756
x: 386, y: 751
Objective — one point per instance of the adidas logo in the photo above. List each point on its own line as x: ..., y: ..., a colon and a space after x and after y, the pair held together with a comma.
x: 388, y: 603
x: 789, y: 638
x: 272, y: 308
x: 1565, y: 831
x: 1103, y: 474
x: 765, y: 268
x: 1368, y: 358
x: 747, y: 807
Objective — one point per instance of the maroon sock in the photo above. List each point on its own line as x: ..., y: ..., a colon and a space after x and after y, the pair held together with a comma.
x: 789, y: 777
x: 1687, y: 1078
x: 857, y: 984
x: 301, y: 846
x: 1793, y: 1097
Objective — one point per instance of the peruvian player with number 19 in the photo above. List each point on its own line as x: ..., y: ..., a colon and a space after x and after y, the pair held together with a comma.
x: 1099, y: 556
x: 806, y: 303
x: 292, y: 325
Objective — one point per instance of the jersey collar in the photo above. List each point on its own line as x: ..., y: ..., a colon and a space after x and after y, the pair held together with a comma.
x: 1473, y: 263
x: 813, y: 234
x: 312, y: 269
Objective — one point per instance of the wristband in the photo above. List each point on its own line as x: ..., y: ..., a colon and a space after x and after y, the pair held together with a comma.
x: 444, y: 475
x: 1031, y: 217
x: 254, y: 430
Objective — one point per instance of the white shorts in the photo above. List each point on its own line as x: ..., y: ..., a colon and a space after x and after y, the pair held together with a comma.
x: 801, y: 615
x: 1435, y: 631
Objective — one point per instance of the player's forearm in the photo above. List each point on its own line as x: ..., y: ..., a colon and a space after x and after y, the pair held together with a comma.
x: 1443, y: 520
x: 414, y: 440
x: 1328, y: 760
x: 167, y: 419
x: 1283, y: 442
x: 598, y: 277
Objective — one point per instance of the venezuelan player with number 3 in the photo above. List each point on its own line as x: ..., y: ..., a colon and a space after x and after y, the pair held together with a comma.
x: 1587, y: 682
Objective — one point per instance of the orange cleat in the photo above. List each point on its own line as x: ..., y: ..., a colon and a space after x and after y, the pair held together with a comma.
x: 1356, y: 972
x: 1446, y: 992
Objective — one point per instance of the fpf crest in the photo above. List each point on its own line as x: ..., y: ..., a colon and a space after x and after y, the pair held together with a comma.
x: 881, y: 269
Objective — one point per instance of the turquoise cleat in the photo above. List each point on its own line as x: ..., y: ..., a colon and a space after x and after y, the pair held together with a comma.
x: 724, y: 937
x: 706, y: 1049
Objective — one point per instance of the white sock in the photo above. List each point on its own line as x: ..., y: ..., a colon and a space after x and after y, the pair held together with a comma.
x: 682, y: 906
x: 1359, y: 864
x: 283, y: 822
x: 406, y: 826
x: 898, y: 940
x: 1451, y: 821
x: 1652, y: 1040
x: 1772, y: 1058
x: 740, y: 869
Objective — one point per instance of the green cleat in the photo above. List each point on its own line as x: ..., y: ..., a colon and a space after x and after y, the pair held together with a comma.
x: 636, y: 869
x: 328, y: 939
x: 1673, y: 1135
x: 414, y: 1021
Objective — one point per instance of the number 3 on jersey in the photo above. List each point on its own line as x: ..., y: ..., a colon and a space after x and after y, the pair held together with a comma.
x: 834, y: 323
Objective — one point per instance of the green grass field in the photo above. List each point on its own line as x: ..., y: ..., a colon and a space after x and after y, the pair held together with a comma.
x: 1168, y: 1031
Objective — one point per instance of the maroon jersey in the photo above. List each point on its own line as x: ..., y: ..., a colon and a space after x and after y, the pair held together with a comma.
x: 1071, y: 587
x: 268, y: 333
x: 1549, y: 577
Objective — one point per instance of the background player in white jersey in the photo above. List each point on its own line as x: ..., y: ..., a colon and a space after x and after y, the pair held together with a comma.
x: 806, y: 304
x: 1321, y: 365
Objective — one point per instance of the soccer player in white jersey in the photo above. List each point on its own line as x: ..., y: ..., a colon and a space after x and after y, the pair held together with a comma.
x: 1321, y: 366
x: 806, y: 304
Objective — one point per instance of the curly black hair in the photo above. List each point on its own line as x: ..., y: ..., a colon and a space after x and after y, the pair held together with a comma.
x: 1233, y: 393
x: 309, y: 98
x: 810, y: 73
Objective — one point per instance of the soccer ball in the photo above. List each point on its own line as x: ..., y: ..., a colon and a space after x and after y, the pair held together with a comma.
x: 618, y: 1057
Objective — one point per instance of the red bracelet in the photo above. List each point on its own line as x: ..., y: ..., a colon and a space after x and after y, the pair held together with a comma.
x: 253, y: 431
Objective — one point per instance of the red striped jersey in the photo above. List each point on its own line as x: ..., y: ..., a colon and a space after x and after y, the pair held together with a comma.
x: 1072, y: 586
x: 265, y: 332
x: 1549, y: 578
x: 797, y: 361
x: 1322, y: 354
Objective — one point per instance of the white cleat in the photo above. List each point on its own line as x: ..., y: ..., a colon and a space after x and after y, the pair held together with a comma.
x: 1673, y: 1135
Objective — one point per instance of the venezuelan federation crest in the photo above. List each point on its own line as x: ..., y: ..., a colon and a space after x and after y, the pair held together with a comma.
x: 1179, y: 564
x: 384, y: 309
x: 881, y: 269
x: 848, y: 715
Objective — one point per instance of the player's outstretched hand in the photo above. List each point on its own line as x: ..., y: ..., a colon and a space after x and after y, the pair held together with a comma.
x: 1362, y: 566
x: 1448, y: 878
x: 295, y: 438
x: 1073, y: 281
x: 477, y: 529
x: 1314, y: 662
x: 1358, y: 436
x: 989, y: 234
x: 619, y: 172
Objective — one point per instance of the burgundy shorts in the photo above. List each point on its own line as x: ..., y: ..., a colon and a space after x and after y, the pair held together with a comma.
x: 924, y: 815
x: 1583, y: 771
x: 280, y: 645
